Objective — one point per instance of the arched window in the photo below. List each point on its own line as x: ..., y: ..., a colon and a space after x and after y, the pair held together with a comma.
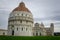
x: 17, y: 29
x: 22, y: 14
x: 3, y: 33
x: 26, y: 29
x: 26, y: 21
x: 36, y: 34
x: 26, y: 14
x: 17, y: 14
x: 12, y: 27
x: 40, y: 34
x: 22, y: 29
x: 20, y: 21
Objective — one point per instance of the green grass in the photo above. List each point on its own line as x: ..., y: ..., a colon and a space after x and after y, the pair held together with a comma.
x: 29, y: 37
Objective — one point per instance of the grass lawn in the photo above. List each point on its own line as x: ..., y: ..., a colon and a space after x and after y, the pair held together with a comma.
x: 29, y: 37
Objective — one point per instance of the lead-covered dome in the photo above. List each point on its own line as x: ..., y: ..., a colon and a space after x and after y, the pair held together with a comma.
x: 21, y: 7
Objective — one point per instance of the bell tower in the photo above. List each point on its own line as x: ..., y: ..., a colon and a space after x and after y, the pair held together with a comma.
x: 52, y: 29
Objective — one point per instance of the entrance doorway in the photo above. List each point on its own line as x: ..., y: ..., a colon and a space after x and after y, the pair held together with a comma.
x: 12, y: 32
x: 36, y: 34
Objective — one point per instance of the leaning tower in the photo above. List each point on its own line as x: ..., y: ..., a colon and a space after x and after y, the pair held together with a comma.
x: 20, y: 21
x: 52, y: 29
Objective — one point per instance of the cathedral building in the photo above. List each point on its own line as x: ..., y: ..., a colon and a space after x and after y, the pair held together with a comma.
x: 21, y: 23
x: 39, y: 30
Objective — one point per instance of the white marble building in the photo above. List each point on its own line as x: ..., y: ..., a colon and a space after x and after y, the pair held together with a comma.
x: 21, y: 23
x: 39, y: 30
x: 3, y: 32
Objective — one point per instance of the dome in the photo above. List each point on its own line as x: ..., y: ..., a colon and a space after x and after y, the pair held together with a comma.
x: 21, y: 7
x: 42, y: 24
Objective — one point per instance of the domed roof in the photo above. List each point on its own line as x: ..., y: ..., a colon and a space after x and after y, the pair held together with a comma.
x: 21, y: 7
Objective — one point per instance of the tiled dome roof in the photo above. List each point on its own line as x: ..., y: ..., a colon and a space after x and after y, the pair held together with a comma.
x: 21, y: 7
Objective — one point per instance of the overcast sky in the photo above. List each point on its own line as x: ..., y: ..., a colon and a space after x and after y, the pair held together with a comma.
x: 45, y: 11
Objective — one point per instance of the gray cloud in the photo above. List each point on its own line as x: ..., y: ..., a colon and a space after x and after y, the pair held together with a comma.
x: 42, y: 10
x: 4, y: 18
